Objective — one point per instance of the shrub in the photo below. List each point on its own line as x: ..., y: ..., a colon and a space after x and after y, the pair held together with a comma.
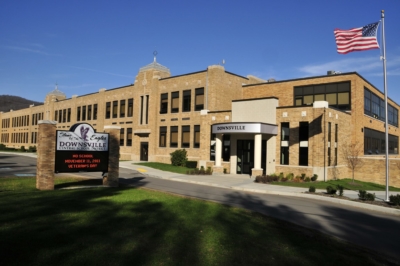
x: 340, y: 189
x: 32, y: 149
x: 2, y: 147
x: 284, y: 179
x: 302, y: 176
x: 362, y: 194
x: 191, y: 164
x: 179, y: 157
x: 202, y: 171
x: 314, y: 177
x: 266, y: 178
x: 209, y: 171
x: 281, y: 176
x: 22, y: 148
x: 307, y: 179
x: 311, y: 189
x: 289, y: 176
x: 225, y: 171
x: 395, y: 200
x: 370, y: 197
x: 297, y: 178
x: 330, y: 190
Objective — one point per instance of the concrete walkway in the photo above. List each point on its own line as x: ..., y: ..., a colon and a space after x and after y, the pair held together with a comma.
x: 245, y: 183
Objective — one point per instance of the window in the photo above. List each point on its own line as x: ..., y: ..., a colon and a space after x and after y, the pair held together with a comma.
x: 95, y: 111
x: 141, y: 110
x: 108, y: 110
x: 336, y: 143
x: 374, y: 142
x: 174, y: 137
x: 59, y: 116
x: 89, y: 112
x: 375, y: 107
x: 130, y: 107
x: 64, y: 117
x: 175, y: 102
x: 226, y: 147
x: 185, y: 143
x: 329, y: 142
x: 285, y: 143
x: 336, y: 94
x: 164, y: 103
x: 83, y: 113
x: 122, y: 108
x: 122, y: 137
x: 199, y: 101
x: 147, y: 109
x: 78, y: 114
x: 303, y: 138
x: 196, y: 138
x: 129, y: 137
x: 55, y: 115
x: 186, y: 101
x: 163, y: 137
x: 115, y: 109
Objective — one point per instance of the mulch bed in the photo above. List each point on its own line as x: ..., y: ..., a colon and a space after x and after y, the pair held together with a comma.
x: 375, y: 202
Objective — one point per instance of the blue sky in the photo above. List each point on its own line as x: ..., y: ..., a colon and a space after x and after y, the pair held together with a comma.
x: 88, y: 45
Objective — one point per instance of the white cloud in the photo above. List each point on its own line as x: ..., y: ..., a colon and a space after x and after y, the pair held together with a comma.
x: 363, y: 64
x: 98, y: 71
x: 29, y: 50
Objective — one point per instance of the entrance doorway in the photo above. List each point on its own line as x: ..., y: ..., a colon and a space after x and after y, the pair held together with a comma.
x: 144, y: 151
x: 245, y: 156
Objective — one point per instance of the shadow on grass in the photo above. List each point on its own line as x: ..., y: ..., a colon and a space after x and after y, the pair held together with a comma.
x: 130, y: 226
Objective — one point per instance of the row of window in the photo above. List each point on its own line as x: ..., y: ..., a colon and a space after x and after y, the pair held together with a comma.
x: 20, y: 121
x: 63, y: 115
x: 19, y: 137
x: 186, y: 102
x: 5, y: 123
x: 36, y: 117
x: 83, y: 113
x: 125, y: 109
x: 174, y: 136
x: 375, y: 106
x: 22, y: 137
x: 374, y: 142
x: 5, y: 137
x: 336, y: 94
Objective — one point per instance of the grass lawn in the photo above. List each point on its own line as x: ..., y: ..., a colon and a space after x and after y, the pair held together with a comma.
x: 346, y: 183
x: 131, y: 226
x: 166, y: 167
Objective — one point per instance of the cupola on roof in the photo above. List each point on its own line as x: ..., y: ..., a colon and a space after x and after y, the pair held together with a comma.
x: 56, y: 92
x: 154, y: 65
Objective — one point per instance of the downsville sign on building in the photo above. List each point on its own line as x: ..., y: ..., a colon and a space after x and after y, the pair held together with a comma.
x: 81, y: 149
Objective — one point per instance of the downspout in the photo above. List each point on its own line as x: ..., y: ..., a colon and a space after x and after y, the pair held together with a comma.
x: 206, y: 100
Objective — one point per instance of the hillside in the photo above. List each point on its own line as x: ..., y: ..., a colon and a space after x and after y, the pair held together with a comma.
x: 8, y: 102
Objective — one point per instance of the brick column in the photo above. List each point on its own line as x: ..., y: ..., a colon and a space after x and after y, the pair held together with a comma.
x: 46, y: 155
x: 111, y: 179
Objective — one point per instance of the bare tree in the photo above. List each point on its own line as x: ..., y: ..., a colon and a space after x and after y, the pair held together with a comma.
x: 351, y: 155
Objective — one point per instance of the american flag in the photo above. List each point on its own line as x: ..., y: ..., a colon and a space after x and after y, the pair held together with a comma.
x: 358, y: 39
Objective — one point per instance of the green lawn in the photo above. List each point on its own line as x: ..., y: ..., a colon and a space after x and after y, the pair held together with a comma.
x: 346, y: 183
x: 130, y: 226
x: 166, y: 167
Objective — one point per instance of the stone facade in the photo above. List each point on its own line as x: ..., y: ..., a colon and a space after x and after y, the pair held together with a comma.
x: 214, y: 92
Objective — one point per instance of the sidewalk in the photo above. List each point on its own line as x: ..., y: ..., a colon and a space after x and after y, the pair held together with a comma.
x: 245, y: 183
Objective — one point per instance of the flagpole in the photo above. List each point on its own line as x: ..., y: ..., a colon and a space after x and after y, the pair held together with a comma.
x: 386, y: 106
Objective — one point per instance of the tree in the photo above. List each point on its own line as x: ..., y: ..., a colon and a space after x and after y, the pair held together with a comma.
x: 351, y: 155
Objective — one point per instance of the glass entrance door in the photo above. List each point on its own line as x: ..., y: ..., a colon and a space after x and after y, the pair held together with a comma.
x: 245, y: 156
